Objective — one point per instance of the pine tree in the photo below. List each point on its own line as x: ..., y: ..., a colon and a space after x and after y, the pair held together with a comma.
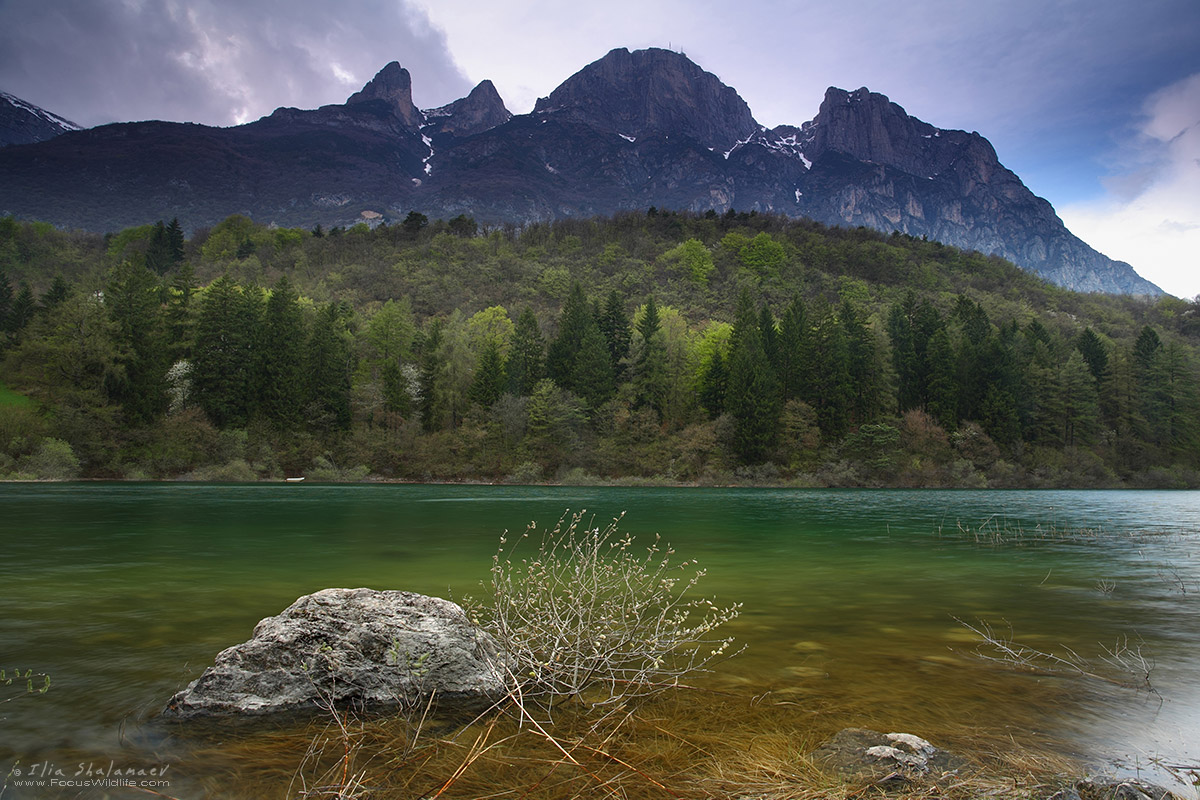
x: 59, y: 291
x: 942, y: 389
x: 614, y: 324
x: 222, y: 355
x: 430, y: 404
x: 525, y: 355
x: 752, y: 393
x: 328, y: 371
x: 1094, y: 353
x: 592, y: 375
x: 132, y: 299
x: 158, y: 249
x: 282, y: 389
x: 770, y: 336
x: 564, y: 350
x: 714, y: 384
x: 175, y: 242
x: 650, y: 369
x: 180, y: 312
x: 795, y: 354
x: 6, y: 301
x: 1079, y: 402
x: 21, y: 311
x: 490, y: 380
x: 904, y: 353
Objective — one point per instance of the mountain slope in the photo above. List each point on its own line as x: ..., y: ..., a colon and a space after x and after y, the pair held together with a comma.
x: 25, y: 123
x: 629, y: 131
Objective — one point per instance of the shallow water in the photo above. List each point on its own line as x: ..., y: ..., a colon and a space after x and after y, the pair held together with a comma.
x: 124, y: 592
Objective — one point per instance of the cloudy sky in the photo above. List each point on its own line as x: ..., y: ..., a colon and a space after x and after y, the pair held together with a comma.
x: 1095, y: 105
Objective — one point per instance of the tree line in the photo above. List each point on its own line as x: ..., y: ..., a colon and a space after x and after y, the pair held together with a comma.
x: 646, y: 347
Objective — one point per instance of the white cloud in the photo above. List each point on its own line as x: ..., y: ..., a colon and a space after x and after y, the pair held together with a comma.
x: 1150, y: 216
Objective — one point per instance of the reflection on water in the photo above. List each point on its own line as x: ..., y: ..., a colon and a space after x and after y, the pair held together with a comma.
x: 122, y: 593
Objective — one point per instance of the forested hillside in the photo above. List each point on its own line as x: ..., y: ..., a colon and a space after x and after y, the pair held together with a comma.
x: 659, y: 346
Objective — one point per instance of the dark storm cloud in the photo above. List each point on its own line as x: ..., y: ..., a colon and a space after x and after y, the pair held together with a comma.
x: 214, y: 61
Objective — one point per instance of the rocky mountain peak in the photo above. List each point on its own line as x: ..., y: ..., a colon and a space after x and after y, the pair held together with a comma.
x: 869, y: 127
x: 392, y: 85
x: 653, y: 91
x: 24, y: 123
x: 479, y: 111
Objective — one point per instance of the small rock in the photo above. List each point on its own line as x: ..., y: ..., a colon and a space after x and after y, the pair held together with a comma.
x: 862, y: 754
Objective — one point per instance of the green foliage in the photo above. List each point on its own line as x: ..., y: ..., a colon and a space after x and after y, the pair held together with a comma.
x: 235, y: 238
x: 53, y: 460
x: 735, y: 366
x: 763, y: 255
x: 693, y: 259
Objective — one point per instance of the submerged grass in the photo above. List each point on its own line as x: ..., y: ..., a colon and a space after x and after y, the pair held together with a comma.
x: 693, y: 743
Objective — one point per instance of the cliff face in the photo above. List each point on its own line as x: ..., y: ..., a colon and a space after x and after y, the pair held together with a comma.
x: 631, y: 130
x: 392, y: 86
x: 479, y: 111
x: 876, y: 166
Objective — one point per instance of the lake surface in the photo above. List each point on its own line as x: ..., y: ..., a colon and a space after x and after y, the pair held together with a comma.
x: 123, y: 593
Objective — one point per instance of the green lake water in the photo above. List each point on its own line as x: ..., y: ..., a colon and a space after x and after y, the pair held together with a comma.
x: 124, y: 592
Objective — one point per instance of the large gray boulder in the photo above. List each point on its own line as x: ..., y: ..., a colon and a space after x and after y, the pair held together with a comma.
x: 357, y: 648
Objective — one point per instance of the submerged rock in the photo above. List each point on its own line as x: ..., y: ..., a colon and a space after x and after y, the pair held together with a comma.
x: 357, y: 648
x: 862, y: 754
x: 1112, y: 789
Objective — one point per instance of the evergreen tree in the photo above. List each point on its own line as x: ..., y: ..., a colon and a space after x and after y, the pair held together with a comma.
x: 834, y: 392
x: 592, y: 374
x: 21, y: 311
x: 328, y: 369
x: 860, y: 365
x: 1094, y: 353
x: 752, y: 393
x: 413, y: 224
x: 650, y: 380
x: 430, y: 404
x: 770, y: 336
x: 904, y: 354
x: 942, y: 389
x: 158, y: 249
x: 563, y: 352
x: 614, y: 324
x: 714, y: 384
x: 175, y: 242
x: 283, y: 381
x: 132, y: 299
x: 222, y: 355
x: 58, y: 292
x: 795, y: 356
x: 524, y: 364
x: 1079, y: 403
x: 490, y: 380
x: 180, y: 312
x: 6, y: 301
x: 1146, y: 348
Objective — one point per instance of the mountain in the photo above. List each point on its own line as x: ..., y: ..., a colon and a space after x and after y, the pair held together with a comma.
x: 629, y: 131
x: 25, y: 123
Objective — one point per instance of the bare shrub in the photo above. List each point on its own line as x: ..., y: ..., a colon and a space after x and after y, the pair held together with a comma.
x: 1123, y: 664
x: 585, y: 616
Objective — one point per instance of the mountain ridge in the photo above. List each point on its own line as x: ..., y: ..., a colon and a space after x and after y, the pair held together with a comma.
x: 628, y: 131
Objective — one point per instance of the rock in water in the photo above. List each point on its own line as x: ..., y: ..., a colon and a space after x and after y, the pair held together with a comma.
x: 357, y: 648
x: 861, y: 754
